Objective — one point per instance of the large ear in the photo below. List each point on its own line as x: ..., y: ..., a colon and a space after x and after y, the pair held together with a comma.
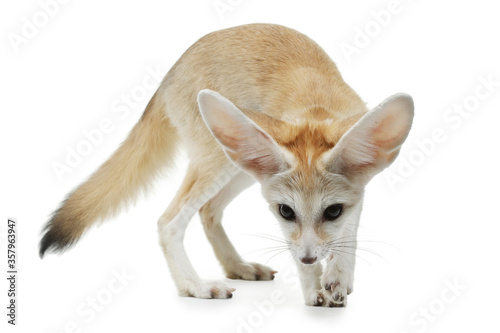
x: 243, y: 141
x: 374, y: 141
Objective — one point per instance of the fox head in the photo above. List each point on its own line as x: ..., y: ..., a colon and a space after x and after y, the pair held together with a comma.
x: 312, y: 172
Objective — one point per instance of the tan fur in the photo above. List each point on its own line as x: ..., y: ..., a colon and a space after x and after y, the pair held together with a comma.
x: 292, y: 80
x: 150, y: 145
x: 296, y: 105
x: 290, y: 89
x: 282, y: 81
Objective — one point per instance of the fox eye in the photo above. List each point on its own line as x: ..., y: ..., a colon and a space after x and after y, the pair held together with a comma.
x: 287, y: 212
x: 332, y: 212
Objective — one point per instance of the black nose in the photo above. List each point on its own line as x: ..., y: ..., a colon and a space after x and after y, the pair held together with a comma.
x: 308, y: 260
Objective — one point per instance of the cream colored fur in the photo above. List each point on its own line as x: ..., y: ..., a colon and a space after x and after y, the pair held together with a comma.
x: 252, y: 103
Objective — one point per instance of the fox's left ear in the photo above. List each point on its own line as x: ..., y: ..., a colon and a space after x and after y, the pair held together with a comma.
x: 373, y: 143
x: 243, y: 141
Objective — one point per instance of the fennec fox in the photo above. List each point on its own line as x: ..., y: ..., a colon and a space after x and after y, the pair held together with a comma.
x: 263, y: 103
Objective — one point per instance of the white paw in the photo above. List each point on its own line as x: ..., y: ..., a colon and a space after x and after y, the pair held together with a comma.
x: 327, y: 298
x: 208, y: 290
x: 336, y: 285
x: 250, y: 271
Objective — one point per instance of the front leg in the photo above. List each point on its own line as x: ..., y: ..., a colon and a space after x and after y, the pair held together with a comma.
x: 172, y: 225
x: 329, y: 289
x: 310, y: 280
x: 211, y: 215
x: 337, y: 279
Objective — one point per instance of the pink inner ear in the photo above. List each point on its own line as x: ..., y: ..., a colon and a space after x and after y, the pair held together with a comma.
x: 227, y: 137
x: 258, y: 153
x: 251, y: 148
x: 373, y: 143
x: 261, y: 165
x: 243, y: 141
x: 389, y: 134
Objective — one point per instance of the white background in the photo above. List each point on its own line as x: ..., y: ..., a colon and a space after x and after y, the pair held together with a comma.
x: 437, y: 223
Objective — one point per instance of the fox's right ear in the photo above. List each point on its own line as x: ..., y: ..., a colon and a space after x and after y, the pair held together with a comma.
x: 243, y: 141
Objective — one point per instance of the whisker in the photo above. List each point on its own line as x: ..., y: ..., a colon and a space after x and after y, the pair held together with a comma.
x: 361, y: 249
x: 279, y: 247
x: 331, y: 242
x: 271, y: 237
x: 266, y: 234
x: 337, y: 241
x: 332, y: 251
x: 347, y: 252
x: 274, y: 255
x: 270, y: 251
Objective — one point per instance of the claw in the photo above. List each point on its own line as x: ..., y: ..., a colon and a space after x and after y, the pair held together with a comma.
x: 214, y: 293
x: 319, y: 301
x: 331, y: 286
x: 338, y: 298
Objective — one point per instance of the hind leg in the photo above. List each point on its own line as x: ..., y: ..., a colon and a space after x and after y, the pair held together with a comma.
x: 211, y: 215
x: 199, y: 186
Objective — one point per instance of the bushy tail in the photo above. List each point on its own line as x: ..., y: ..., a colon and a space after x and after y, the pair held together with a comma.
x: 149, y: 147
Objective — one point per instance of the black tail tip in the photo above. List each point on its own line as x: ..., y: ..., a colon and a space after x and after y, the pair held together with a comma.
x: 54, y: 242
x: 45, y: 244
x: 48, y: 241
